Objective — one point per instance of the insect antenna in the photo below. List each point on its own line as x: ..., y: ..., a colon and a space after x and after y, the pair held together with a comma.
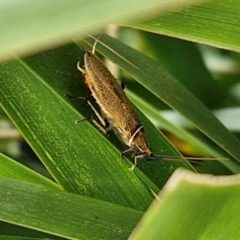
x: 181, y: 158
x: 94, y: 46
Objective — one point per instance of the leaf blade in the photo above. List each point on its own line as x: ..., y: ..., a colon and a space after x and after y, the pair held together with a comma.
x: 214, y: 23
x: 217, y: 219
x: 14, y: 170
x: 32, y: 28
x: 63, y: 214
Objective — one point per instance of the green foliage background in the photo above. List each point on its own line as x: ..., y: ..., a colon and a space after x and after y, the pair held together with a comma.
x: 90, y: 194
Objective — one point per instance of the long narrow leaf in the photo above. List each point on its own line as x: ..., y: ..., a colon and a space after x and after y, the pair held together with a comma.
x: 27, y: 27
x: 63, y: 214
x: 14, y: 170
x: 214, y: 23
x: 193, y: 206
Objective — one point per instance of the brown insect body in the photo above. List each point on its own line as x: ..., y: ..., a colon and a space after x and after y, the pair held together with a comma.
x: 115, y: 106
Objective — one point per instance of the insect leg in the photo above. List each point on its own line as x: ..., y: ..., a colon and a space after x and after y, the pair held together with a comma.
x: 135, y: 158
x: 135, y: 162
x: 103, y: 126
x: 100, y: 118
x: 82, y: 70
x: 70, y: 96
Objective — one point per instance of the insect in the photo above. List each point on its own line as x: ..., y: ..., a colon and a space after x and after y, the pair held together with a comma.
x: 117, y: 113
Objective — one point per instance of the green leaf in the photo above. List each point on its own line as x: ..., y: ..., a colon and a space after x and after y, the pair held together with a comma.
x: 79, y: 158
x: 13, y: 232
x: 32, y: 28
x: 215, y: 23
x: 11, y: 169
x: 193, y: 206
x: 185, y: 62
x: 63, y: 214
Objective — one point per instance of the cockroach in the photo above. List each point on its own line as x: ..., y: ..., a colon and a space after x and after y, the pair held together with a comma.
x: 116, y: 110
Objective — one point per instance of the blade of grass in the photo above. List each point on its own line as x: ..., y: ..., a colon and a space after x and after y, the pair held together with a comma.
x: 215, y: 23
x: 210, y: 210
x: 32, y: 27
x: 11, y: 169
x: 63, y: 214
x: 184, y: 61
x: 13, y: 232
